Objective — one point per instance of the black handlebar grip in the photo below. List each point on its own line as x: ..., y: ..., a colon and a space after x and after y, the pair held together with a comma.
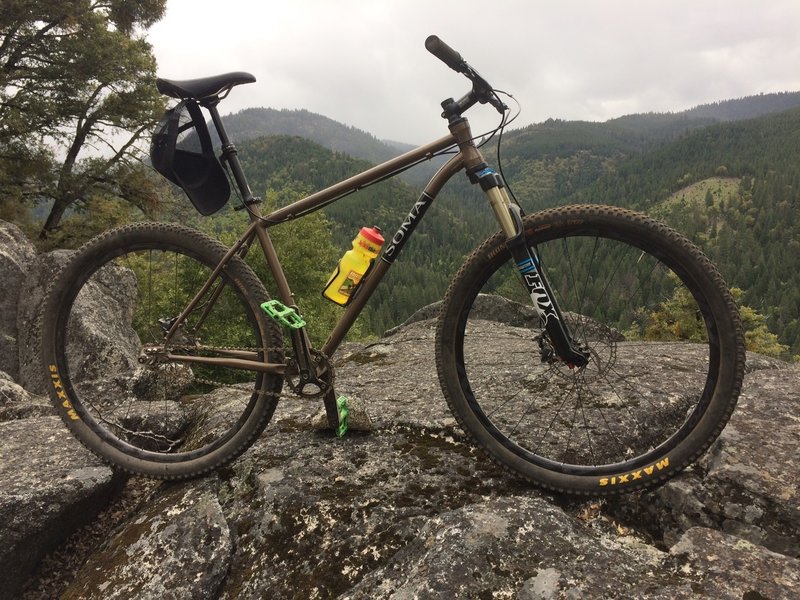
x: 444, y: 53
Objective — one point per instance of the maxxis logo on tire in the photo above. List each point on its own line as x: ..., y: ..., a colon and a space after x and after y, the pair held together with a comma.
x: 632, y: 476
x: 61, y: 394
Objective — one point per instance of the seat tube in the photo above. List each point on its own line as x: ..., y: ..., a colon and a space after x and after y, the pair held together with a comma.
x: 230, y: 156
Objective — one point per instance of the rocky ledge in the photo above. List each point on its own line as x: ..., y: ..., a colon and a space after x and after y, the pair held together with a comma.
x: 406, y: 510
x: 410, y: 510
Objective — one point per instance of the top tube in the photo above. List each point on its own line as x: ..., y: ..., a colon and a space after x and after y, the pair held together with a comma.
x: 330, y: 194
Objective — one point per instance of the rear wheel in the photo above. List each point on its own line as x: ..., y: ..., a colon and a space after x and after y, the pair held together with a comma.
x: 113, y: 381
x: 665, y: 346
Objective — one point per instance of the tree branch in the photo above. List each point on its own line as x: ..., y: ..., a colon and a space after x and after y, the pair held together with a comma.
x: 123, y: 150
x: 15, y: 57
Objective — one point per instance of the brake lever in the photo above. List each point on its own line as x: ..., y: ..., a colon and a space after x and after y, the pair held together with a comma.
x: 486, y: 93
x: 498, y: 104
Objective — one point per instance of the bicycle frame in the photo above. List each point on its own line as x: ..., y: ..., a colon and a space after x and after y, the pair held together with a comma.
x: 395, y: 243
x: 593, y: 422
x: 468, y: 158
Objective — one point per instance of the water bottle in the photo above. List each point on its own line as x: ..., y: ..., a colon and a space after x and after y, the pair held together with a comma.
x: 345, y: 279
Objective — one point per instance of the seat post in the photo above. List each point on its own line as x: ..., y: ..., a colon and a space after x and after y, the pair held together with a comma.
x: 229, y: 155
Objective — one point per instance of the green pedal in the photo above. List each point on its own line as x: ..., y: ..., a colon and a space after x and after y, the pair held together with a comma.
x: 284, y: 315
x: 343, y: 411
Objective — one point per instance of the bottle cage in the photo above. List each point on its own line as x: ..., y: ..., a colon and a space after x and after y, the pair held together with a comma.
x: 199, y: 174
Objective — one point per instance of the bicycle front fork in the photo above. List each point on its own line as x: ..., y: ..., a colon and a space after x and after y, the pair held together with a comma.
x: 529, y: 267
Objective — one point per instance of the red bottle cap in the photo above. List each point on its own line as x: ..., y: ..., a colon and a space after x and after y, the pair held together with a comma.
x: 373, y: 235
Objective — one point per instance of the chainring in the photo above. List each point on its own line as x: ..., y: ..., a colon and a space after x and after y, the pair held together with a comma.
x: 311, y: 386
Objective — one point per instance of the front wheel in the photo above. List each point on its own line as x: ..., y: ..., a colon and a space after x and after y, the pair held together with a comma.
x: 661, y: 330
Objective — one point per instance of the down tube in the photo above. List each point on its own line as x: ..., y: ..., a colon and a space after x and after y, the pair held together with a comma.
x: 391, y: 252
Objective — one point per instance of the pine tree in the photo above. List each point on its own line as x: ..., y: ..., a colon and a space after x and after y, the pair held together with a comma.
x: 73, y: 74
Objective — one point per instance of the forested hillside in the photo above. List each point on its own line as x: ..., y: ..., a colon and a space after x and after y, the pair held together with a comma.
x: 554, y: 137
x: 753, y: 233
x: 745, y: 215
x: 252, y: 123
x: 731, y: 185
x: 746, y: 108
x: 748, y: 221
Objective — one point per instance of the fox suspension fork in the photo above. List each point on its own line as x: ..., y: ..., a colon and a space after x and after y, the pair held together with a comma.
x: 529, y: 268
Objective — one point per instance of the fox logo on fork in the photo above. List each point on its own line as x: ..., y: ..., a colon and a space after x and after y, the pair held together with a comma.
x: 533, y: 282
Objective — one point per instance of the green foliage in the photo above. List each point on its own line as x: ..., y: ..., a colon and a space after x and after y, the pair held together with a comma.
x: 74, y: 74
x: 758, y: 337
x: 307, y: 254
x: 678, y: 319
x: 76, y: 228
x: 166, y: 284
x: 292, y: 167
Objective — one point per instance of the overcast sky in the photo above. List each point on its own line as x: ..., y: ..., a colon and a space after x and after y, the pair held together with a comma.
x: 363, y: 63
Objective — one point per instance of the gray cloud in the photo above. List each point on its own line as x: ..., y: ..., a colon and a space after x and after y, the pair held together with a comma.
x: 363, y: 63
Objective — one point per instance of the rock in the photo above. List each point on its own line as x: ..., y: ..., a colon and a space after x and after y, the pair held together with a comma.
x: 717, y: 565
x: 488, y: 307
x: 517, y: 546
x: 33, y: 289
x: 177, y: 546
x: 396, y: 379
x: 49, y: 486
x: 16, y: 255
x: 498, y: 309
x: 313, y: 514
x: 358, y: 417
x: 525, y: 548
x: 16, y: 403
x: 168, y: 380
x: 411, y: 509
x: 748, y: 484
x: 100, y: 337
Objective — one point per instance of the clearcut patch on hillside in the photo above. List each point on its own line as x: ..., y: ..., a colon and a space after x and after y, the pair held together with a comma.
x: 721, y: 189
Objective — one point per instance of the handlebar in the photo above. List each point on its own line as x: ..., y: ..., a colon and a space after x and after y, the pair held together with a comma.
x: 481, y: 92
x: 445, y: 53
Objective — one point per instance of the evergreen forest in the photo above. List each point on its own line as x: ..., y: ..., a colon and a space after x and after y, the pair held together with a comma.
x: 732, y: 186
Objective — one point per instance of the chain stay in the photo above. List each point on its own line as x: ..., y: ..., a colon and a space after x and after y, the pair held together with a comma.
x: 148, y: 357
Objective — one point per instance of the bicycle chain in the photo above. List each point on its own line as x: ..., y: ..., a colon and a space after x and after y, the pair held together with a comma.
x: 189, y: 349
x: 280, y: 350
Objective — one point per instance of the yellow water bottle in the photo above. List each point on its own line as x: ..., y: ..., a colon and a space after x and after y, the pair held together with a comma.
x: 345, y: 279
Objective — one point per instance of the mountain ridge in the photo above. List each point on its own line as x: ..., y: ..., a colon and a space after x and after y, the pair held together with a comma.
x: 633, y: 132
x: 251, y: 123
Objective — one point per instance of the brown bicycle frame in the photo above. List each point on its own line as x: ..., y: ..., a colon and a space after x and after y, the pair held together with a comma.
x: 467, y: 157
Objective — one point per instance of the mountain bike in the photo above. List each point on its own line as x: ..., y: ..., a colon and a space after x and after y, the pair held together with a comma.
x: 589, y: 349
